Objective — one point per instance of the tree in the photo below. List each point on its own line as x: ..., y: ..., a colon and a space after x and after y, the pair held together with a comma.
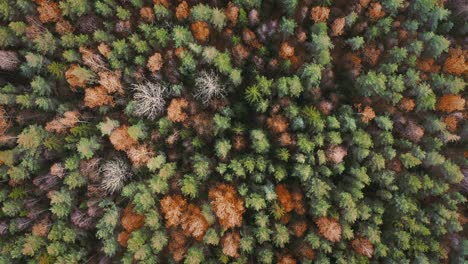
x: 114, y: 173
x: 329, y: 228
x: 208, y: 87
x: 227, y: 206
x: 9, y: 60
x: 260, y: 142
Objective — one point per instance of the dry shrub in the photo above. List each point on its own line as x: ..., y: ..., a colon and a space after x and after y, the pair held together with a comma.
x: 200, y: 30
x: 121, y: 140
x: 319, y: 14
x: 130, y: 220
x: 111, y: 81
x: 231, y: 244
x: 329, y: 228
x: 284, y: 197
x: 450, y: 103
x: 97, y: 96
x: 456, y: 62
x: 363, y: 247
x: 175, y: 111
x: 182, y: 11
x: 155, y: 62
x: 227, y: 206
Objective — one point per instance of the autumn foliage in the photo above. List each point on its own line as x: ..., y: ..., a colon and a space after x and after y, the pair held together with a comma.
x: 227, y: 206
x: 329, y: 228
x: 450, y: 103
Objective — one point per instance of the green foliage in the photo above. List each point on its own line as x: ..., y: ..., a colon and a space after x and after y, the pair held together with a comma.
x: 87, y: 147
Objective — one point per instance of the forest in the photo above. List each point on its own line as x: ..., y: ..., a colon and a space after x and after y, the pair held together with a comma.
x: 233, y: 131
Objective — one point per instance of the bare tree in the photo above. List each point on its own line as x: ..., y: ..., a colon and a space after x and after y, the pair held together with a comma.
x: 9, y: 60
x: 114, y: 173
x: 149, y: 99
x: 208, y: 86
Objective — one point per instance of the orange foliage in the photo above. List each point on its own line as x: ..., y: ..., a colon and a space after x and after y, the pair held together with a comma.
x: 320, y: 14
x: 155, y: 62
x: 239, y: 142
x: 111, y: 81
x: 200, y: 30
x: 338, y: 26
x: 41, y: 228
x: 375, y: 11
x: 227, y: 206
x: 120, y: 138
x: 173, y: 207
x: 298, y: 203
x: 232, y: 13
x: 307, y: 251
x: 329, y: 228
x: 367, y: 114
x: 73, y: 79
x: 363, y: 246
x: 122, y: 238
x: 57, y: 170
x: 61, y: 124
x: 299, y: 228
x: 456, y: 62
x: 175, y: 110
x: 182, y: 11
x: 240, y: 53
x: 104, y: 49
x: 285, y: 139
x: 231, y: 244
x: 49, y: 12
x: 371, y: 54
x: 450, y: 103
x: 4, y: 123
x: 284, y: 197
x: 407, y: 104
x: 286, y: 50
x: 97, y: 96
x: 194, y: 223
x: 130, y: 220
x: 147, y: 14
x: 427, y: 65
x: 177, y: 245
x: 249, y: 37
x: 277, y: 123
x: 140, y: 154
x: 63, y: 27
x: 451, y: 122
x: 286, y: 259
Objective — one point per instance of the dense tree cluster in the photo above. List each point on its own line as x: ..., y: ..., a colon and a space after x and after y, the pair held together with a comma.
x: 233, y: 131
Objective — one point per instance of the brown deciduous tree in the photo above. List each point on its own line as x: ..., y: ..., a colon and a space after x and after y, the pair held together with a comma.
x: 97, y: 96
x: 130, y: 220
x: 194, y: 223
x: 407, y: 104
x: 175, y: 110
x: 182, y: 11
x: 363, y: 246
x: 319, y: 14
x: 155, y: 62
x: 450, y: 103
x: 286, y: 50
x: 277, y: 123
x: 173, y: 208
x: 120, y: 138
x: 147, y: 14
x: 338, y: 26
x: 329, y: 228
x: 456, y: 62
x: 232, y: 13
x: 375, y: 11
x: 200, y: 30
x: 227, y: 206
x: 284, y: 197
x: 49, y: 12
x: 231, y: 244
